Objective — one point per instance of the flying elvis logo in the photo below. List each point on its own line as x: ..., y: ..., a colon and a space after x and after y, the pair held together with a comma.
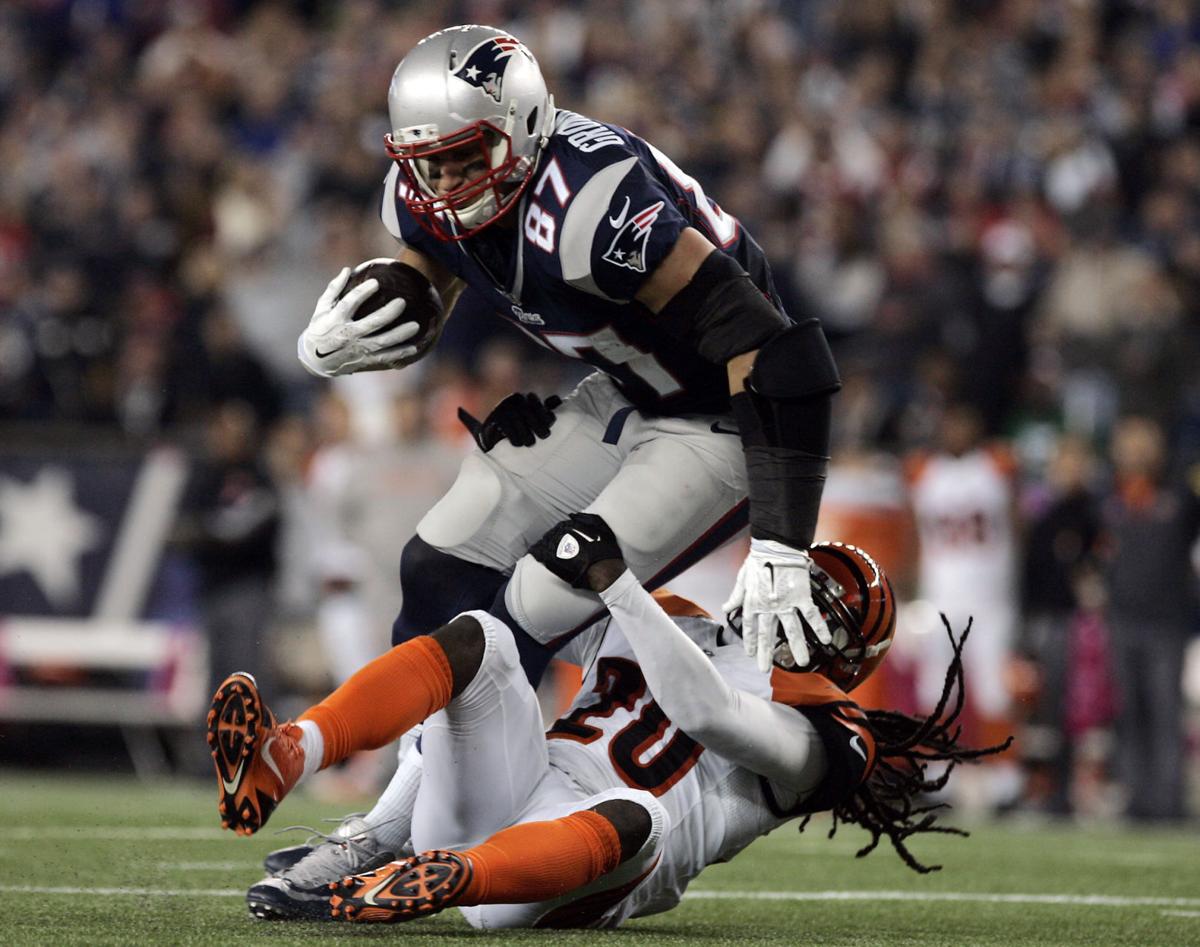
x: 486, y: 63
x: 628, y: 248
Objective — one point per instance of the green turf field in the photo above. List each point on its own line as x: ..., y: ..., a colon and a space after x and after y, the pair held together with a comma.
x: 93, y: 861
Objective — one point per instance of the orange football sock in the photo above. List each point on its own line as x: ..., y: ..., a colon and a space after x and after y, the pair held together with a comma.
x: 537, y: 861
x: 383, y: 699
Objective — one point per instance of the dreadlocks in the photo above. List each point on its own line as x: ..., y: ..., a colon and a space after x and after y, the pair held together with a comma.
x: 888, y: 802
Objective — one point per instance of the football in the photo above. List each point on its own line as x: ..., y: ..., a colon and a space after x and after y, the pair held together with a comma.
x: 401, y: 281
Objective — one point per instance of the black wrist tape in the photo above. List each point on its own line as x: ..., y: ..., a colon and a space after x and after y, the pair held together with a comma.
x: 785, y: 494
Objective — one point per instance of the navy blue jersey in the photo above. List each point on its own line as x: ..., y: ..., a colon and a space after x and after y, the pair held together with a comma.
x: 603, y: 209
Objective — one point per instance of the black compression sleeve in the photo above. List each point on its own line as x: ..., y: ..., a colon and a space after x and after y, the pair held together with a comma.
x: 720, y: 312
x: 785, y: 483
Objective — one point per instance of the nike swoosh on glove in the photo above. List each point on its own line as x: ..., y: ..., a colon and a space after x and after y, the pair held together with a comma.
x: 335, y: 343
x: 573, y: 546
x: 774, y: 589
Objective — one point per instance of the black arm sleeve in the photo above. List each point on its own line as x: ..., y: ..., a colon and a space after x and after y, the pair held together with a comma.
x: 784, y: 414
x: 784, y: 417
x: 720, y: 312
x: 785, y: 483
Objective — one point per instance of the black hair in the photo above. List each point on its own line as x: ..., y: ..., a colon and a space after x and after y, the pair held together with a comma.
x: 891, y: 801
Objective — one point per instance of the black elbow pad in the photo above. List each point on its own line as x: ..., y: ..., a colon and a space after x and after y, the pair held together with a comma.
x: 792, y: 374
x: 794, y: 365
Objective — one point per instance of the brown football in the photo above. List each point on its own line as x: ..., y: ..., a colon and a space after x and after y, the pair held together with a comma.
x: 401, y: 281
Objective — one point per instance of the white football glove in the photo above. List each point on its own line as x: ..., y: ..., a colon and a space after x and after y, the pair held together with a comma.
x: 335, y: 344
x: 773, y: 588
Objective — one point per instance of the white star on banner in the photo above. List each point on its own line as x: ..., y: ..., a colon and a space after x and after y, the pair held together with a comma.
x: 44, y: 533
x: 472, y: 72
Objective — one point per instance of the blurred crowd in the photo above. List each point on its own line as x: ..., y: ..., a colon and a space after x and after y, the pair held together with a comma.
x: 993, y: 206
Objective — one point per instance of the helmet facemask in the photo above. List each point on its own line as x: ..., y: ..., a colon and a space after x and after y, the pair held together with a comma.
x: 855, y: 599
x: 481, y: 199
x: 469, y: 91
x: 848, y: 647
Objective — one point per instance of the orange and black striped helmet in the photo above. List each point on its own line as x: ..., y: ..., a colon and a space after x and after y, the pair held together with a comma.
x: 856, y: 598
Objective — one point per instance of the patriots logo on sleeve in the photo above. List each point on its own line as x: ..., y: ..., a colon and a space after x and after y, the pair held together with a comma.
x: 486, y: 63
x: 628, y: 248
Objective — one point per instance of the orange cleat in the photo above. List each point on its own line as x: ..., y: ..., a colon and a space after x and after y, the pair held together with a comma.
x: 257, y: 761
x: 403, y: 890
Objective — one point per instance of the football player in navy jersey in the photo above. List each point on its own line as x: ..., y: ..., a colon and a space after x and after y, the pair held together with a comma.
x: 710, y: 406
x: 597, y: 245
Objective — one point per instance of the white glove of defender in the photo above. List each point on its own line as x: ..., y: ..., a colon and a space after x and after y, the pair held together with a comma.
x: 335, y: 344
x: 773, y: 588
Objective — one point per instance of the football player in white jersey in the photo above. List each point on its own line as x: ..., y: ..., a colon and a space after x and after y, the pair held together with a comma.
x: 963, y: 499
x: 677, y: 754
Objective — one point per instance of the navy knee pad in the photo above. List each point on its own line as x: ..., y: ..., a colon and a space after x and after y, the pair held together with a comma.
x: 437, y: 586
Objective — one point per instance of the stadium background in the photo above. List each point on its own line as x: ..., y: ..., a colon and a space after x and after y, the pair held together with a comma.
x: 991, y: 203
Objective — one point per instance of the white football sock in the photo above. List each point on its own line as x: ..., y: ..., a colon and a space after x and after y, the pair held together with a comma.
x: 391, y: 818
x: 312, y: 742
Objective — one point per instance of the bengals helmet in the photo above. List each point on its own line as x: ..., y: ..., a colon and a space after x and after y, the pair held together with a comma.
x: 477, y: 94
x: 856, y: 599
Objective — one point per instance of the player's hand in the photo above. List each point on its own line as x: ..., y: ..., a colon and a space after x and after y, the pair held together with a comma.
x: 335, y: 343
x: 571, y: 548
x: 521, y: 419
x: 772, y: 589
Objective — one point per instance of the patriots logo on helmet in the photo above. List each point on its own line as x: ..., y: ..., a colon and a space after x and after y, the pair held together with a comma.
x: 628, y: 248
x: 485, y: 64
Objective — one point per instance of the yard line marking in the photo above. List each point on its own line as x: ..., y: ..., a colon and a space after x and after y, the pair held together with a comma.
x: 1086, y: 900
x: 110, y: 892
x: 1180, y: 913
x: 204, y: 866
x: 1082, y: 900
x: 175, y: 833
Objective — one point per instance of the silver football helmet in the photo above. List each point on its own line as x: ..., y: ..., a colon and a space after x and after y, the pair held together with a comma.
x: 470, y: 94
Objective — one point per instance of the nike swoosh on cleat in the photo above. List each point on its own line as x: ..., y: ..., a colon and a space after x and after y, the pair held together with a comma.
x: 270, y: 761
x: 717, y: 429
x: 319, y: 354
x: 619, y: 221
x: 232, y: 785
x: 369, y: 897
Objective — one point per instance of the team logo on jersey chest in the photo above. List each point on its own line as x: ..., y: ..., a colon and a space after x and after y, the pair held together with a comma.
x: 485, y: 64
x: 628, y: 248
x: 528, y: 318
